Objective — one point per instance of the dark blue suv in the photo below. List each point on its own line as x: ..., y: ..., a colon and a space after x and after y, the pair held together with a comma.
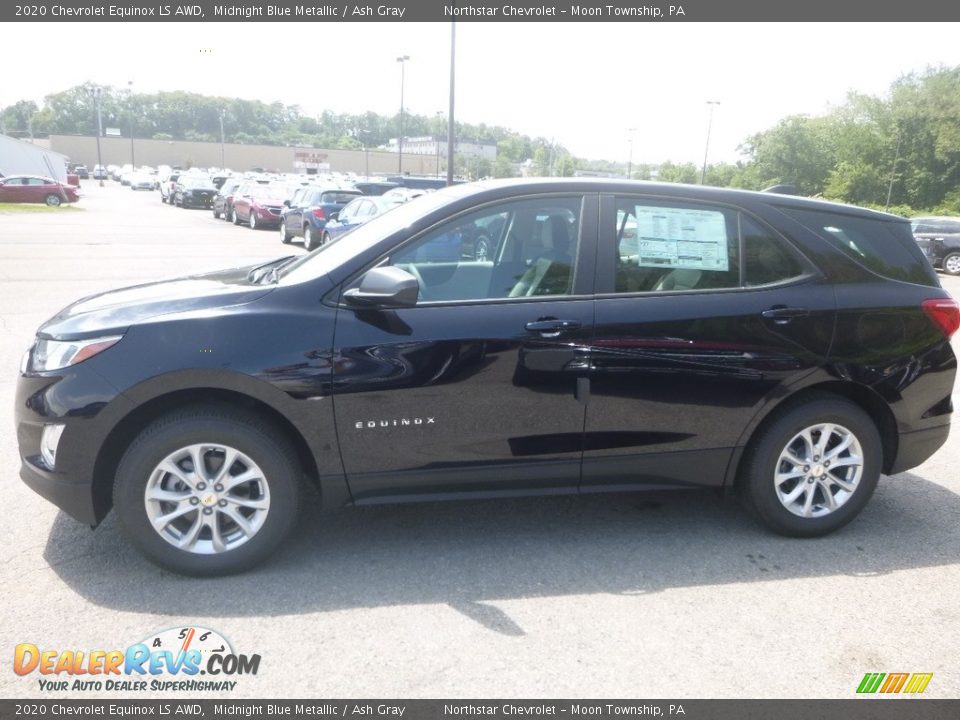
x: 616, y: 336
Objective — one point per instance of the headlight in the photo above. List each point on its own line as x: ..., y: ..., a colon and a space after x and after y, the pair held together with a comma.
x: 57, y: 354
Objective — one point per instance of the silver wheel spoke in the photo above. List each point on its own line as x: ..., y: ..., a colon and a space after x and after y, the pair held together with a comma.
x: 259, y: 504
x: 245, y: 527
x: 808, y: 499
x: 167, y: 466
x: 835, y: 452
x: 158, y: 494
x: 188, y: 539
x: 160, y: 522
x: 794, y: 494
x: 783, y: 477
x: 216, y: 539
x: 199, y: 469
x: 828, y: 497
x: 820, y: 449
x: 844, y: 462
x: 228, y: 460
x: 231, y: 482
x: 842, y: 484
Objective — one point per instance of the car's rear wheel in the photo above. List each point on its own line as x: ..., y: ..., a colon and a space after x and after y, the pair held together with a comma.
x: 285, y: 237
x: 951, y: 264
x: 235, y: 216
x: 252, y: 220
x: 308, y: 240
x: 813, y: 467
x: 326, y: 238
x: 52, y: 200
x: 207, y: 491
x: 216, y: 214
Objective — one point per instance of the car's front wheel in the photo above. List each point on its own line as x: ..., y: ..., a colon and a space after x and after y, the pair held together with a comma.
x: 208, y: 491
x: 52, y: 200
x: 252, y: 220
x: 285, y: 237
x: 951, y: 264
x: 813, y: 468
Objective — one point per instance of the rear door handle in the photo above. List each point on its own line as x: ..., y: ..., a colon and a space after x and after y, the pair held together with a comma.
x: 551, y: 327
x: 783, y: 315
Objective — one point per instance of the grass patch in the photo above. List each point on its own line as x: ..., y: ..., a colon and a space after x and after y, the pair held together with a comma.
x: 36, y: 208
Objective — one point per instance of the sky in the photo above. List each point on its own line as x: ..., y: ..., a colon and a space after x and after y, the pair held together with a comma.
x: 591, y: 87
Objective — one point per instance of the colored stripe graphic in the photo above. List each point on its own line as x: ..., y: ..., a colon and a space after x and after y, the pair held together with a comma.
x: 918, y: 682
x: 895, y: 681
x: 870, y: 682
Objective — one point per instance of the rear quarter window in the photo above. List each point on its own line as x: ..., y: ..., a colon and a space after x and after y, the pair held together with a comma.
x: 886, y: 247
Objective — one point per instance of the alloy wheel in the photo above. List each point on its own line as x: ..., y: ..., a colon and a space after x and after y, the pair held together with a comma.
x: 818, y: 470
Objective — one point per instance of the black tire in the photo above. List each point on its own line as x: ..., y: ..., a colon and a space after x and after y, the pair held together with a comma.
x: 232, y: 427
x: 309, y: 242
x: 236, y: 216
x: 951, y: 264
x: 229, y: 215
x: 285, y: 237
x: 763, y: 459
x: 163, y: 199
x: 325, y: 239
x: 216, y: 214
x: 52, y: 200
x: 252, y: 220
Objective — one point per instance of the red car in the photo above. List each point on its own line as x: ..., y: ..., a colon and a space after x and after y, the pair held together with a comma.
x: 33, y: 188
x: 259, y: 206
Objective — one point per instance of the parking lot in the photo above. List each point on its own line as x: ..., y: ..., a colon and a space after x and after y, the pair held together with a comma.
x: 666, y: 595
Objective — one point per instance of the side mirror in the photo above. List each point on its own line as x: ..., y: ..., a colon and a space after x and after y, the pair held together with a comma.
x: 334, y: 215
x: 385, y: 287
x: 286, y: 203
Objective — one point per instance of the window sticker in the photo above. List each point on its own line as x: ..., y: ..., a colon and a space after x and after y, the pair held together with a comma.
x: 681, y: 238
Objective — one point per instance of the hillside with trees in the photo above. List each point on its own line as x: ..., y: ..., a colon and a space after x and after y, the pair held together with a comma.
x: 901, y: 150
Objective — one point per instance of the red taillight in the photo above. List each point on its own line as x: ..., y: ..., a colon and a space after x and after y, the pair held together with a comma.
x: 319, y: 214
x: 945, y: 314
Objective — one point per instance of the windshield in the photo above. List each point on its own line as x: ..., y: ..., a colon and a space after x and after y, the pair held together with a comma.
x: 327, y: 257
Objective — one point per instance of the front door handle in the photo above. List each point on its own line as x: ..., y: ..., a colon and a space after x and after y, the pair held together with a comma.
x: 551, y: 327
x: 782, y: 315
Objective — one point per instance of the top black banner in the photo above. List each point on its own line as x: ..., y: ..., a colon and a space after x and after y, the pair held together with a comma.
x: 438, y: 11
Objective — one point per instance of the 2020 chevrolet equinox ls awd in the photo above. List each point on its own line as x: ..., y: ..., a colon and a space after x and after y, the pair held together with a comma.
x: 618, y: 336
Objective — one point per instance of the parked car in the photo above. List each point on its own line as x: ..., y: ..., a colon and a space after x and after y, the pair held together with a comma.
x: 403, y: 194
x: 939, y: 238
x: 306, y: 214
x: 81, y: 172
x: 223, y: 200
x: 100, y: 173
x: 373, y: 187
x: 259, y: 206
x: 167, y: 186
x: 194, y: 191
x: 789, y: 350
x: 36, y: 189
x: 356, y: 212
x: 142, y: 181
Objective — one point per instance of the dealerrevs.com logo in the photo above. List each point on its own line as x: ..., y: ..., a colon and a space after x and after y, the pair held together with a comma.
x: 188, y: 659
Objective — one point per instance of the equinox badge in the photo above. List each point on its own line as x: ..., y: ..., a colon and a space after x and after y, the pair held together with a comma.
x: 396, y: 422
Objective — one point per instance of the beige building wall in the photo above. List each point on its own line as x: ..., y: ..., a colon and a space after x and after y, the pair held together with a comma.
x: 116, y: 151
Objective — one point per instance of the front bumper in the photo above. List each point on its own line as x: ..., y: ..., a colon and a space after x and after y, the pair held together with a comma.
x: 55, y: 399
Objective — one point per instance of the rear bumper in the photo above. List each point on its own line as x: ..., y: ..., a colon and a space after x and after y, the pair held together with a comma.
x: 917, y: 447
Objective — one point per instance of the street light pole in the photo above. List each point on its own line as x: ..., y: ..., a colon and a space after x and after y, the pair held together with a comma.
x: 706, y: 149
x: 403, y: 62
x: 436, y: 139
x: 96, y: 90
x: 450, y: 125
x: 630, y: 161
x: 223, y: 164
x: 133, y: 163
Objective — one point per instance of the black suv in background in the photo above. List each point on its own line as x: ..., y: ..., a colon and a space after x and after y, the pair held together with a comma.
x: 939, y: 238
x: 616, y: 336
